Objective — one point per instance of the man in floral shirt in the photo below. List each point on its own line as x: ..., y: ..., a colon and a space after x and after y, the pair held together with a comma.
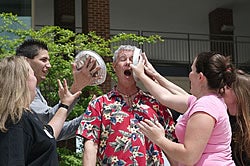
x: 109, y: 124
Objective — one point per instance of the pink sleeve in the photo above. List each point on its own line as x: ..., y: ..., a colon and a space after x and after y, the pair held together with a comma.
x: 191, y: 100
x: 204, y: 104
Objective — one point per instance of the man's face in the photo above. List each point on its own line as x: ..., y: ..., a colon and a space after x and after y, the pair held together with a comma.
x: 122, y: 65
x: 40, y: 65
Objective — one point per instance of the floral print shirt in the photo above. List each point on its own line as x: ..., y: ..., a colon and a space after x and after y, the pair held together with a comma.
x: 112, y: 124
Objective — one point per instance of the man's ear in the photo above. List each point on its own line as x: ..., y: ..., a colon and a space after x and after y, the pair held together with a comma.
x: 114, y: 65
x: 27, y: 59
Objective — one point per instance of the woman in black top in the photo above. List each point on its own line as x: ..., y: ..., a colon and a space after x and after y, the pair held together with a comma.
x: 24, y: 140
x: 237, y: 98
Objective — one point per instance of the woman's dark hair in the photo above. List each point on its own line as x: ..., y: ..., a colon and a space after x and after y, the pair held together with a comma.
x: 30, y: 48
x: 217, y: 69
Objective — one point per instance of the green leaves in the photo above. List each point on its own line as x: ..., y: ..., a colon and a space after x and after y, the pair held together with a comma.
x: 135, y: 38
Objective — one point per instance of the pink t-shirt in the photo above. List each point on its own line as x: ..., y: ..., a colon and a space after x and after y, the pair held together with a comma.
x: 218, y: 150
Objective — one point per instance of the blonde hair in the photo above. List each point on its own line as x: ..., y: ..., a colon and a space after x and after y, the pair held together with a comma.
x: 15, y: 94
x: 241, y: 136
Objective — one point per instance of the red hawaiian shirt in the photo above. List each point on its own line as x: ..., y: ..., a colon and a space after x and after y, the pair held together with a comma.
x: 112, y: 124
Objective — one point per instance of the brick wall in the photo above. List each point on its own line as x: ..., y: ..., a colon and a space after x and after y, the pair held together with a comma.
x: 64, y: 14
x: 218, y: 18
x: 98, y: 17
x: 99, y: 21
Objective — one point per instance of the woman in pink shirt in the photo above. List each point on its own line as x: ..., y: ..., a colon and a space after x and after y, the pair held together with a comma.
x: 204, y: 131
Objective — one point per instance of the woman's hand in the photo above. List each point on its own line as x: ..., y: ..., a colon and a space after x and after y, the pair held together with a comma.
x: 144, y: 67
x: 138, y: 69
x: 149, y: 69
x: 153, y: 130
x: 65, y: 95
x: 66, y: 98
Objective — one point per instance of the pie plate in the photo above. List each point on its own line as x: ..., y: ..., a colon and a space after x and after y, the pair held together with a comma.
x: 136, y: 55
x: 81, y: 58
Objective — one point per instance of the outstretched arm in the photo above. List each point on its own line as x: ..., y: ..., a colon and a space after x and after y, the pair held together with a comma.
x: 66, y: 98
x: 168, y: 94
x: 46, y: 113
x: 151, y: 72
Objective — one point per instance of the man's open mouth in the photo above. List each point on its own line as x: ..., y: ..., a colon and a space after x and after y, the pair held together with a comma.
x: 127, y: 72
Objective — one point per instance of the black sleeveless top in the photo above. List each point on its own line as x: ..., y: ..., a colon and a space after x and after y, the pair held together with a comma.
x: 28, y: 142
x: 236, y: 155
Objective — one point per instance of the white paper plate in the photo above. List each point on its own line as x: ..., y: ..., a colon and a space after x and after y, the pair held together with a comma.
x: 81, y: 58
x: 136, y: 55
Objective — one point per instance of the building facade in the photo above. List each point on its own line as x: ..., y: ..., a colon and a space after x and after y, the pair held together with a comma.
x: 187, y: 27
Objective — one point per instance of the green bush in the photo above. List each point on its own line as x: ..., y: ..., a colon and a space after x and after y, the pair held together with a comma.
x: 69, y: 158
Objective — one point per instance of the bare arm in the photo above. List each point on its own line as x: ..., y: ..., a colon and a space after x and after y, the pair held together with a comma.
x: 66, y: 98
x: 198, y: 132
x: 151, y: 72
x: 173, y: 88
x: 89, y: 154
x: 176, y: 101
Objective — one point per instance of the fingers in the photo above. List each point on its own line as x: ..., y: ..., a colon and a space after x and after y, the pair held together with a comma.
x: 73, y: 66
x: 95, y: 79
x: 149, y: 123
x: 64, y: 91
x: 132, y: 65
x: 92, y: 66
x: 87, y: 62
x: 63, y: 86
x: 59, y: 84
x: 158, y: 124
x: 94, y: 71
x: 141, y: 59
x: 94, y: 97
x: 77, y: 94
x: 145, y: 58
x: 146, y: 124
x: 91, y: 63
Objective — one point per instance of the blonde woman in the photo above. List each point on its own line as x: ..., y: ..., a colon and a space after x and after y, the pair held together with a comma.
x: 24, y: 140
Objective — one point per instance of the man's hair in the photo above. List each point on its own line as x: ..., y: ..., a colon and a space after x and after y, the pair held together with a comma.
x: 122, y: 47
x: 30, y: 48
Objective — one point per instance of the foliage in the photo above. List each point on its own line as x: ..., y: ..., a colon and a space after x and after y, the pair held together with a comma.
x: 12, y: 32
x: 69, y: 158
x: 63, y: 45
